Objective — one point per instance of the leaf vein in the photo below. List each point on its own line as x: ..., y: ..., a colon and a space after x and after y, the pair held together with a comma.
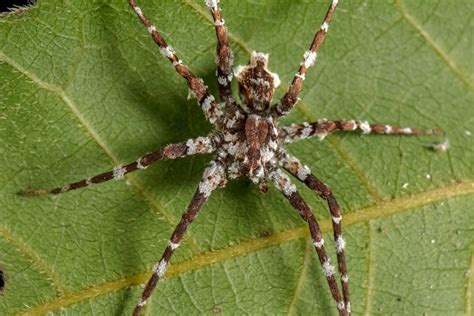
x: 433, y: 45
x: 37, y: 261
x: 301, y: 280
x: 92, y: 133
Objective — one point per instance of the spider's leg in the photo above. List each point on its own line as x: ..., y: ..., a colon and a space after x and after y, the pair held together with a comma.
x: 224, y: 54
x: 283, y: 183
x: 288, y: 101
x: 324, y: 127
x: 303, y: 173
x: 196, y: 85
x: 199, y: 145
x: 213, y: 177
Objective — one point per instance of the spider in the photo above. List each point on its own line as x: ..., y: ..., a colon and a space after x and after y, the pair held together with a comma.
x: 247, y: 142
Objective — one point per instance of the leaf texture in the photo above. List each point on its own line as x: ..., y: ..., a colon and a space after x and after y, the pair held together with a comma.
x: 84, y: 88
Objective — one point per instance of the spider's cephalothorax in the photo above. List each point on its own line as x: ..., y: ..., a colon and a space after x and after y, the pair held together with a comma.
x: 248, y: 143
x: 256, y: 84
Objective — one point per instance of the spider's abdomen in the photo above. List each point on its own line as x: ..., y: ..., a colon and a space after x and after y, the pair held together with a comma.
x: 257, y: 136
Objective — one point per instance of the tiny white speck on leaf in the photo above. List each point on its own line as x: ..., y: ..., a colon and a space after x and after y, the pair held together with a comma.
x: 444, y: 146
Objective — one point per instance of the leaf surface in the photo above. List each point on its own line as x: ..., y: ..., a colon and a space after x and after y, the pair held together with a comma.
x: 84, y: 88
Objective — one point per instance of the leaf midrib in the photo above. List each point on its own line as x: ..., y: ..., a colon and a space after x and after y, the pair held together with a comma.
x: 381, y: 210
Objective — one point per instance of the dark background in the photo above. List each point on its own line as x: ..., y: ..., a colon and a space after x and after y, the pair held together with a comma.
x: 6, y: 4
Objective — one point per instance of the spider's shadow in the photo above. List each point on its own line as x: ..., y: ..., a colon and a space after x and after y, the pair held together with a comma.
x: 149, y: 85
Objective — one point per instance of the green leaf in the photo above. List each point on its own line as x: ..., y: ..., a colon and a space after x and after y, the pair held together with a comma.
x: 83, y: 88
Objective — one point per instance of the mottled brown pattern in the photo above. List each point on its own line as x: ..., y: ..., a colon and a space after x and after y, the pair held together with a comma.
x: 256, y: 86
x: 325, y: 127
x: 224, y: 60
x: 256, y: 133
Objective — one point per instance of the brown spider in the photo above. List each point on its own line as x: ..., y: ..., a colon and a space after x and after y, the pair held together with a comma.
x: 248, y: 142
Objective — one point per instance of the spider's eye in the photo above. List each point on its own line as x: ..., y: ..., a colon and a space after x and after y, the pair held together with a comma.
x: 256, y: 83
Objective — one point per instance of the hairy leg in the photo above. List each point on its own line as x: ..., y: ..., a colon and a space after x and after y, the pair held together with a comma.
x: 290, y: 98
x: 200, y: 145
x: 324, y: 127
x: 283, y: 183
x: 224, y: 54
x: 303, y: 173
x: 195, y: 84
x: 213, y: 177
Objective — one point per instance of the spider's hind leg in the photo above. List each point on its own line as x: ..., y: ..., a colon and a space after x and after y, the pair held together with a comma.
x: 213, y: 177
x: 303, y: 173
x: 283, y: 183
x: 199, y: 145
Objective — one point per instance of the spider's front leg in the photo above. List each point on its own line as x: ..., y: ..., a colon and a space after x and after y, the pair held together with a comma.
x: 283, y: 183
x: 224, y: 53
x: 290, y: 98
x: 213, y: 177
x: 324, y: 127
x: 196, y: 85
x: 199, y: 145
x: 303, y: 173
